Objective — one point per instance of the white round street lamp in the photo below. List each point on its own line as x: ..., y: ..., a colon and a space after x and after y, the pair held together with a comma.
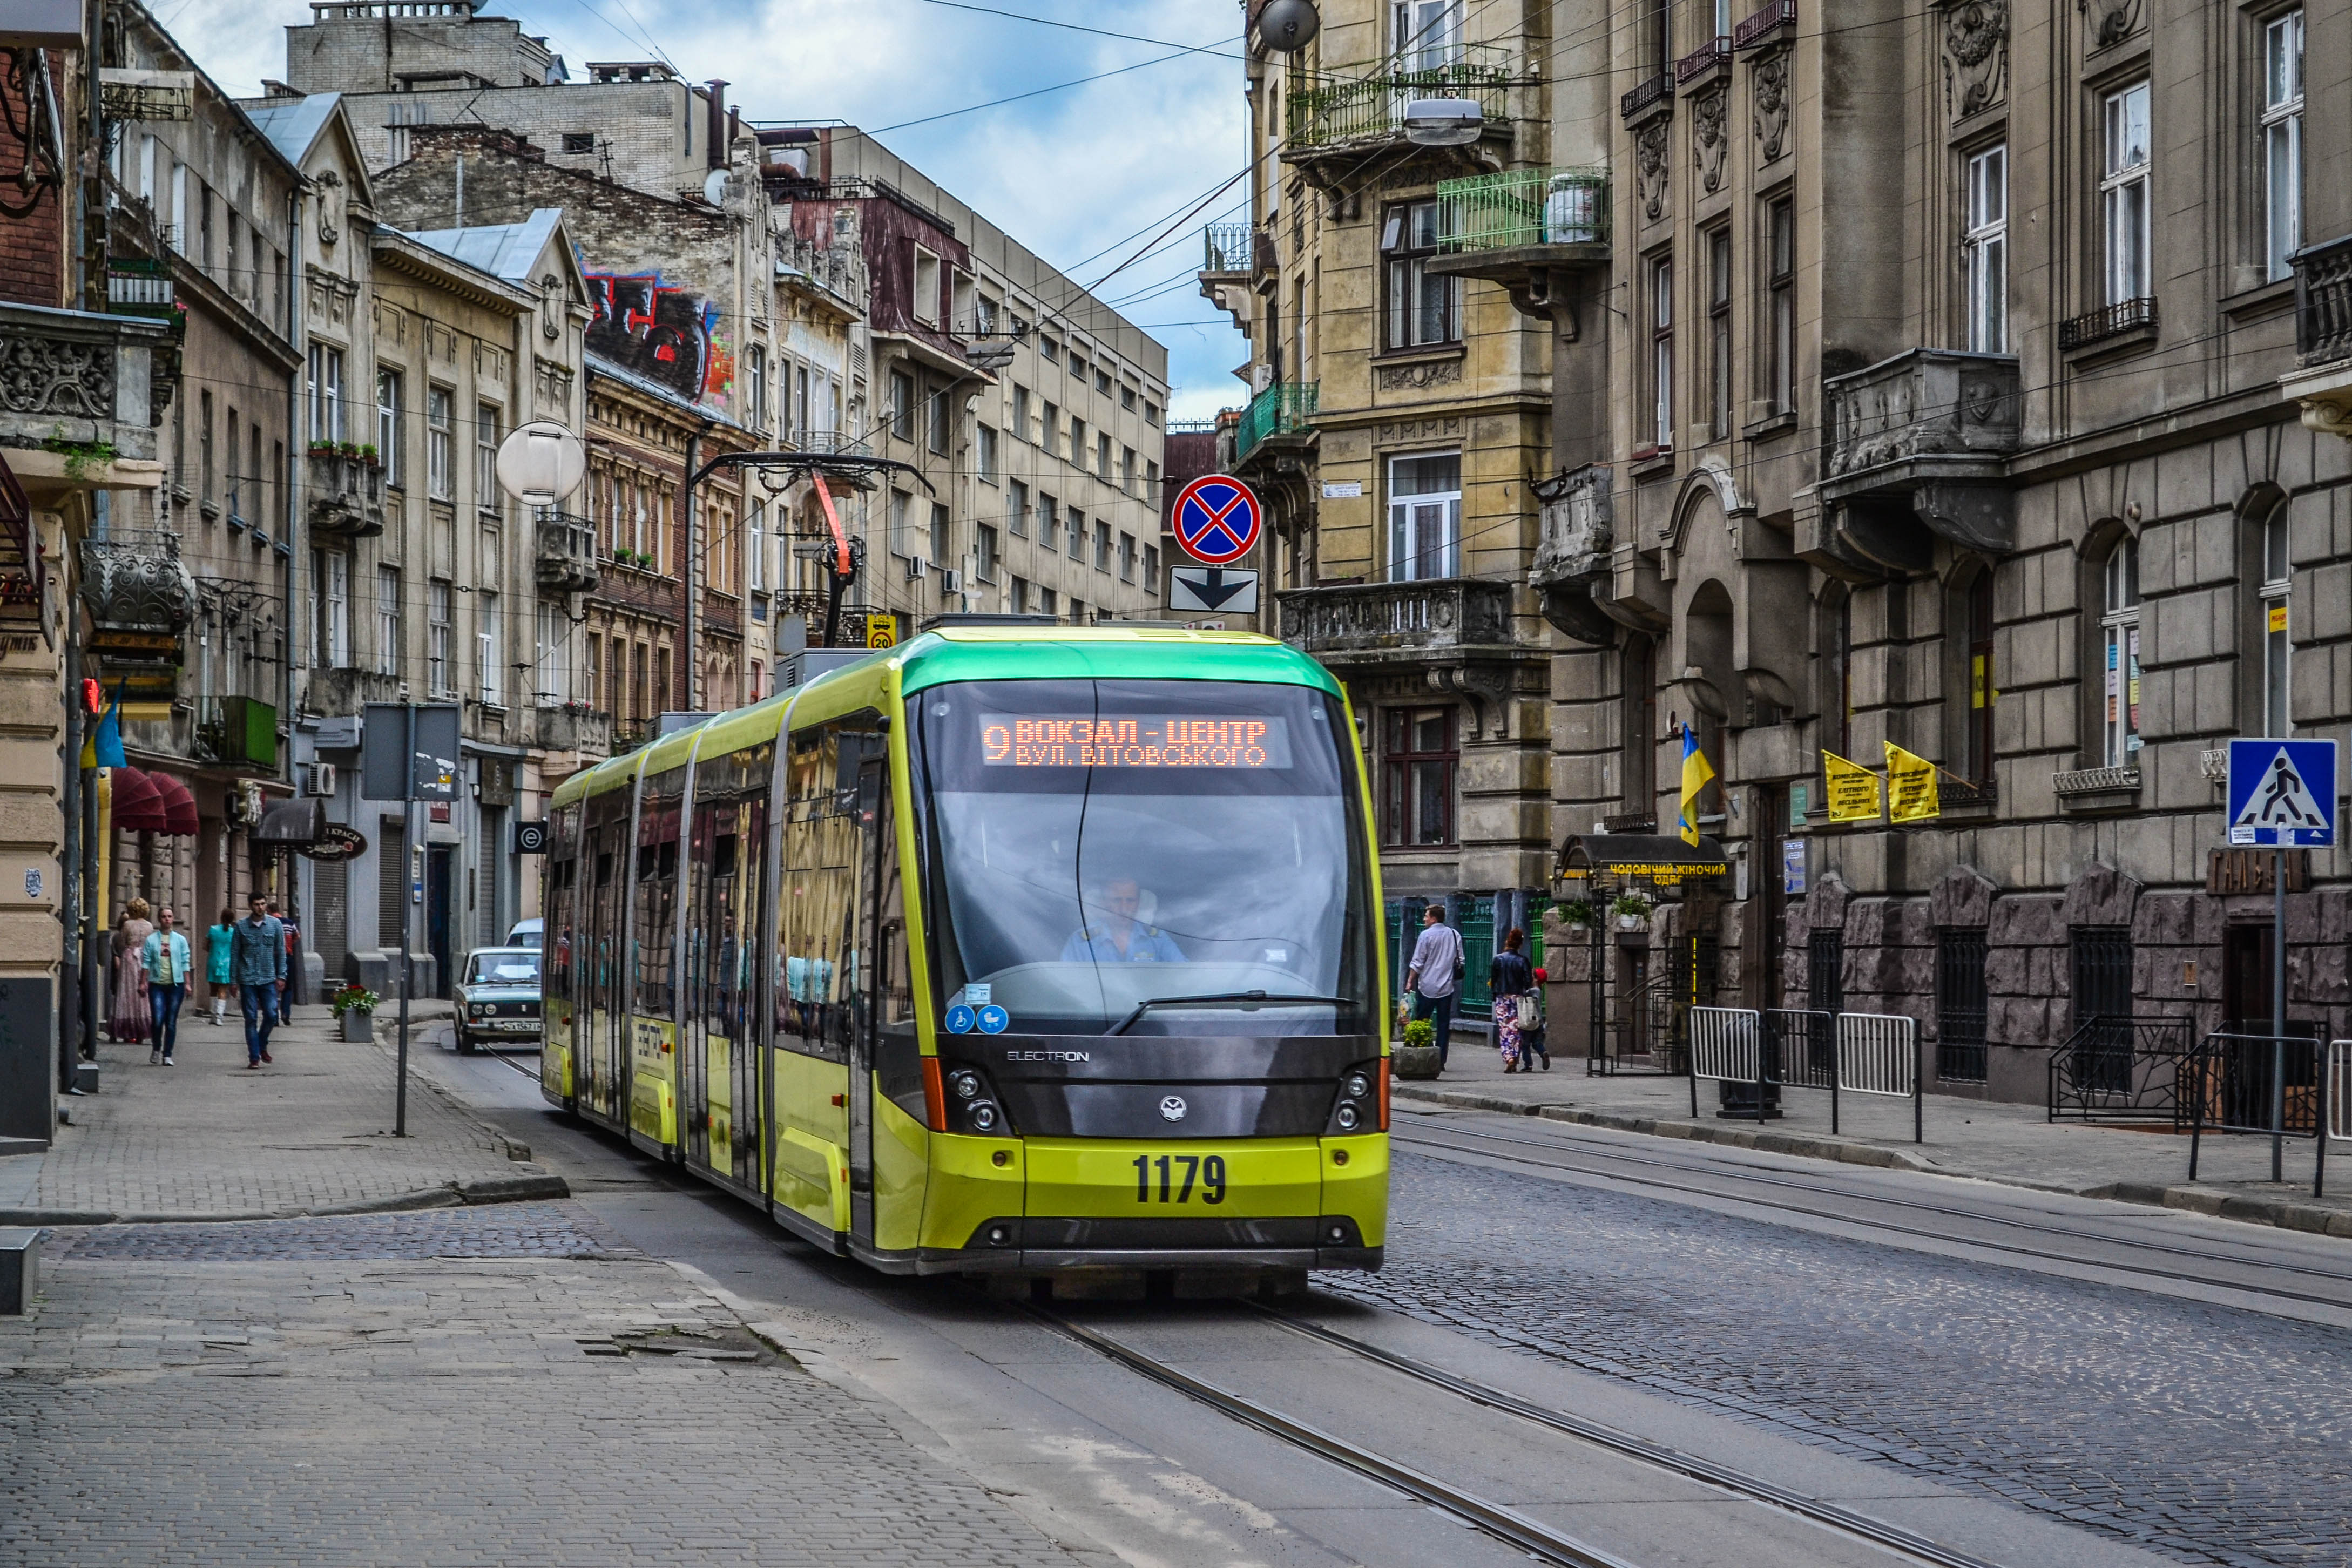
x: 1444, y: 121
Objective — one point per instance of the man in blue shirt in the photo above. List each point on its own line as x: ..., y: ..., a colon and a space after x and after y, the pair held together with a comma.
x: 1121, y: 938
x: 257, y: 965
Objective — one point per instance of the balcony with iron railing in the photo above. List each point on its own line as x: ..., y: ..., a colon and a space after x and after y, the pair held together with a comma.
x: 1529, y: 230
x: 1772, y: 21
x: 1331, y: 110
x: 565, y: 560
x: 1361, y: 621
x: 2109, y: 324
x: 2323, y: 337
x: 237, y: 733
x: 1283, y: 412
x: 1659, y: 89
x: 1704, y: 64
x: 1225, y: 249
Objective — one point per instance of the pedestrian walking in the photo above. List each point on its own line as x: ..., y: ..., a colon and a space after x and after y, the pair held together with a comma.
x: 168, y: 963
x: 128, y: 1018
x: 1434, y: 978
x: 257, y: 961
x: 1517, y: 1022
x: 217, y: 942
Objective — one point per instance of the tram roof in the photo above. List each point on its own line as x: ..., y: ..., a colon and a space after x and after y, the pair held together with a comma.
x: 982, y: 653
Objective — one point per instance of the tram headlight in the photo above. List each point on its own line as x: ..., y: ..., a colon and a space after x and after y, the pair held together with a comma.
x: 966, y: 1084
x: 982, y: 1117
x: 1356, y: 1085
x: 1348, y: 1116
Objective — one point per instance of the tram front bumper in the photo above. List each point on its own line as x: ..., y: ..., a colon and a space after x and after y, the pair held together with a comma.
x: 1055, y: 1204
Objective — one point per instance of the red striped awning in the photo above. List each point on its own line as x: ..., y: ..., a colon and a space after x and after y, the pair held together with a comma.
x: 138, y: 804
x: 178, y: 805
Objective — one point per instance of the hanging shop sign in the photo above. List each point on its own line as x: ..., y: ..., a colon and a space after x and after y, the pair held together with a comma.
x: 1910, y: 786
x: 1849, y: 789
x: 335, y: 842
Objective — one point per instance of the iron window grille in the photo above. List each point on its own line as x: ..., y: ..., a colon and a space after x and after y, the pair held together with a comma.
x: 1961, y: 1006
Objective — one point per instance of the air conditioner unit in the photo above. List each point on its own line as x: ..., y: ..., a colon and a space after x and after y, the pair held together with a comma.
x: 319, y: 779
x: 916, y: 567
x: 951, y: 581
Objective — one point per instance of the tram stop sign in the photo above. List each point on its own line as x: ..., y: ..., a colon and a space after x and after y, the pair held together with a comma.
x: 1218, y: 520
x: 2283, y: 793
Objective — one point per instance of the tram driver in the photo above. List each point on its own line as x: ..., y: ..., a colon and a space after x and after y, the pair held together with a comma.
x: 1121, y: 937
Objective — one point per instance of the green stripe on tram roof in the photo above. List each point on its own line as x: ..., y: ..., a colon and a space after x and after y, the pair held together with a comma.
x: 963, y: 653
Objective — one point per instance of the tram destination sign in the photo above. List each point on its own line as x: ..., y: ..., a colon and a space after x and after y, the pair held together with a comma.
x: 1056, y: 741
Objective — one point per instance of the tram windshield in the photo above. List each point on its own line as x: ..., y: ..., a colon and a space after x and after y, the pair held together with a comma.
x: 1141, y: 856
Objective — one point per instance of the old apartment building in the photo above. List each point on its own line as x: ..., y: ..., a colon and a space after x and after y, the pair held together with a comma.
x: 1917, y: 379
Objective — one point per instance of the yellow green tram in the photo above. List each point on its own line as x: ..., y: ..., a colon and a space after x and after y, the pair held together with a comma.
x: 1010, y: 951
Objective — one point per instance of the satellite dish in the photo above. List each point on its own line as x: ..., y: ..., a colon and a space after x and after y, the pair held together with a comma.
x: 714, y: 189
x: 1288, y: 25
x: 542, y: 463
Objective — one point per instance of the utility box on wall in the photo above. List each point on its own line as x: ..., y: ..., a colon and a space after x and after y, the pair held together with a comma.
x: 28, y: 1041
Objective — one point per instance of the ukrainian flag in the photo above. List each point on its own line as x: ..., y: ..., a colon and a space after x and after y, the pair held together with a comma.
x: 1697, y: 775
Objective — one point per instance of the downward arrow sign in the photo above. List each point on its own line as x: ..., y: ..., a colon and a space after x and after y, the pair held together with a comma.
x: 1211, y: 589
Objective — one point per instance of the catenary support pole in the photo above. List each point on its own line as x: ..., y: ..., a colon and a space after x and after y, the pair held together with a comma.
x: 408, y: 895
x: 2278, y: 1014
x: 69, y: 898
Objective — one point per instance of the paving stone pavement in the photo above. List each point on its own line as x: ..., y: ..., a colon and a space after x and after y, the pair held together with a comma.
x: 208, y: 1136
x: 2209, y: 1434
x: 470, y: 1388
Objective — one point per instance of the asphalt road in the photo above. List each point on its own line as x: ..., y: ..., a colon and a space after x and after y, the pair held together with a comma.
x: 2025, y: 1382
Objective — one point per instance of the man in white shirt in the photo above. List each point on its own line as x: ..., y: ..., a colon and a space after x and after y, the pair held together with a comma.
x: 1436, y: 975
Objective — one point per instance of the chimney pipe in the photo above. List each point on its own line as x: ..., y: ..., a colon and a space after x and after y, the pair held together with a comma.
x: 716, y: 152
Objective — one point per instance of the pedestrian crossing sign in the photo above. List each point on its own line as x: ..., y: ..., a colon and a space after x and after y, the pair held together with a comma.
x: 2283, y: 793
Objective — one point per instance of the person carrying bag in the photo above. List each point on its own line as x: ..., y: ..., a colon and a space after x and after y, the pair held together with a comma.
x: 1513, y: 981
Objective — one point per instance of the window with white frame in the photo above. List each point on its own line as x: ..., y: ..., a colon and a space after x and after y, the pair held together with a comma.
x: 387, y: 425
x: 487, y: 420
x: 335, y: 634
x: 1426, y: 33
x: 2124, y: 192
x: 1424, y: 517
x: 1016, y: 509
x: 1984, y: 250
x: 983, y: 553
x: 1422, y: 309
x: 925, y: 305
x: 439, y: 633
x: 2119, y: 655
x: 1781, y: 286
x: 387, y: 620
x: 1020, y: 426
x: 2282, y: 130
x: 492, y: 641
x: 2270, y: 603
x: 758, y: 530
x: 550, y: 660
x: 327, y: 421
x: 1660, y: 308
x: 1718, y: 333
x: 985, y: 454
x: 439, y: 457
x: 755, y: 400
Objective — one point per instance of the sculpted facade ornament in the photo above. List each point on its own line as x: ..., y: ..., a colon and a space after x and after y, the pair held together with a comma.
x: 1770, y: 79
x: 1708, y: 143
x: 330, y: 207
x: 1414, y: 377
x: 1975, y: 54
x: 56, y: 375
x: 1649, y: 168
x: 2110, y: 21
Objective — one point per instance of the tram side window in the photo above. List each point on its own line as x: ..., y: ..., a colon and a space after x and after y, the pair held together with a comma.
x: 656, y: 898
x: 602, y: 915
x: 815, y: 972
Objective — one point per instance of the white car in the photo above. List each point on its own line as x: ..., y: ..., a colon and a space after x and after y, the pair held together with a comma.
x: 497, y: 998
x: 527, y: 934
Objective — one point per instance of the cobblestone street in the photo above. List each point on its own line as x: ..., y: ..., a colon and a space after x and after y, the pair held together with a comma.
x: 2211, y: 1435
x: 470, y: 1387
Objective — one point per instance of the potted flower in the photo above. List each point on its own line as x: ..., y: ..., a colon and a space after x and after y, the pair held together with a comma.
x: 1417, y: 1056
x: 356, y: 1006
x: 322, y: 448
x: 1631, y: 909
x: 350, y: 449
x: 369, y: 455
x: 1577, y: 914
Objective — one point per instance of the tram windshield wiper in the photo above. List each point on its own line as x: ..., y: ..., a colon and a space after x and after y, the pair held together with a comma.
x: 1245, y: 999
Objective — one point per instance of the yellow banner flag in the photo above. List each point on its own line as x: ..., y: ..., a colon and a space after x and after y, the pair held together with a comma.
x: 1849, y: 790
x: 1910, y: 786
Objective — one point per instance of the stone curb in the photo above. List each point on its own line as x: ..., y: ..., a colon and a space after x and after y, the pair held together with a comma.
x: 2211, y: 1201
x: 453, y: 1194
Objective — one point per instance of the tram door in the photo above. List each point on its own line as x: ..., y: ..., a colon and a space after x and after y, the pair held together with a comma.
x: 873, y: 828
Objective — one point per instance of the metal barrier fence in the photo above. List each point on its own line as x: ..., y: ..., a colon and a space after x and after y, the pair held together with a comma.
x: 2265, y: 1084
x: 1847, y: 1053
x: 2114, y: 1069
x: 2339, y: 1090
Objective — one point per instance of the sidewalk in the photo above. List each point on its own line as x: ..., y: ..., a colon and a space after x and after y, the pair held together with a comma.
x: 310, y: 1133
x: 2013, y: 1145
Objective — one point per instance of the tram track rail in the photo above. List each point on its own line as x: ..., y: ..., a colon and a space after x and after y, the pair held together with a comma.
x: 1745, y: 1176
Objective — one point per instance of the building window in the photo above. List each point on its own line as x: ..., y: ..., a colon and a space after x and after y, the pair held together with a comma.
x: 1660, y: 314
x: 2119, y: 639
x: 1427, y: 34
x: 1020, y: 596
x: 755, y: 365
x: 926, y: 303
x: 985, y: 454
x: 2270, y: 603
x: 1417, y: 760
x: 758, y: 522
x: 387, y: 424
x: 1044, y: 603
x: 1421, y: 309
x: 1719, y: 334
x: 1049, y: 431
x: 983, y: 553
x: 1152, y: 570
x: 1127, y: 398
x: 387, y: 620
x: 1983, y: 688
x: 492, y: 638
x: 1078, y: 534
x: 1127, y: 558
x: 902, y: 405
x: 2283, y: 142
x: 327, y: 394
x: 1837, y: 647
x: 486, y: 457
x: 1641, y: 725
x: 1126, y: 469
x: 936, y: 418
x: 942, y: 544
x: 1049, y: 522
x: 1781, y: 300
x: 1021, y: 428
x: 2124, y: 193
x: 438, y: 479
x: 437, y: 635
x: 1960, y: 1004
x: 1150, y: 412
x: 1102, y: 456
x: 335, y: 591
x: 1424, y: 518
x: 204, y: 468
x: 1102, y: 545
x: 1078, y: 443
x: 1016, y: 509
x: 1985, y: 251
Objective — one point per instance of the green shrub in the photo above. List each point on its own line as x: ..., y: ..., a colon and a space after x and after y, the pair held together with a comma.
x: 1421, y: 1032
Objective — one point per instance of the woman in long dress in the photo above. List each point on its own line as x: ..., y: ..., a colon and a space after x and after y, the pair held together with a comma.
x: 129, y: 1018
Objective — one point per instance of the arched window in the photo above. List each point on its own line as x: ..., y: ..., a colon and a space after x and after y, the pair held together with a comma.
x: 2269, y: 607
x: 2119, y: 655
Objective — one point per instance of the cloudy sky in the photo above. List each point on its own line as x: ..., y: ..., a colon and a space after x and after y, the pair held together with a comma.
x: 1082, y: 176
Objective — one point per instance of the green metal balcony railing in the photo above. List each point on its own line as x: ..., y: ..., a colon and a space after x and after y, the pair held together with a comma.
x: 1283, y: 409
x: 1523, y: 206
x: 1326, y: 110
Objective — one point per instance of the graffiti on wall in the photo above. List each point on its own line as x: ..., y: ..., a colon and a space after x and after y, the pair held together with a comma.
x: 665, y: 332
